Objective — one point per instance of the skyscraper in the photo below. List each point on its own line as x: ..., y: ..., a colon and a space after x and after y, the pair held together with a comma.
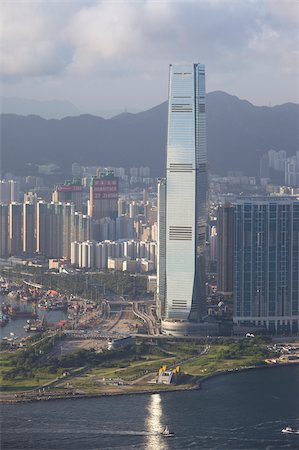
x: 266, y: 263
x: 161, y: 260
x: 69, y: 192
x: 186, y: 192
x: 42, y: 228
x: 103, y: 196
x: 15, y: 229
x: 225, y: 248
x: 29, y: 241
x: 3, y: 230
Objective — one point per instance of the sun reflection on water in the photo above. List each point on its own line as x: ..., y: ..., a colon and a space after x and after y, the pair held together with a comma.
x: 154, y: 425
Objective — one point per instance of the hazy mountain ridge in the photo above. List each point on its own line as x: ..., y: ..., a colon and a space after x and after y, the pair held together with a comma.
x: 237, y: 131
x: 47, y: 109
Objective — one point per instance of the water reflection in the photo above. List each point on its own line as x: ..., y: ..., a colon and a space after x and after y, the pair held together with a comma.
x: 155, y: 424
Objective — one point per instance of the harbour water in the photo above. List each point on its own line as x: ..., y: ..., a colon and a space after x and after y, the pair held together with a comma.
x: 241, y: 411
x: 16, y: 326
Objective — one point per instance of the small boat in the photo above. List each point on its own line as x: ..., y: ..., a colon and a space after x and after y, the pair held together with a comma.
x: 166, y: 432
x: 289, y: 430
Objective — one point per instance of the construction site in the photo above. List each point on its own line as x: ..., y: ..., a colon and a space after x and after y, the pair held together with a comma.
x: 112, y: 320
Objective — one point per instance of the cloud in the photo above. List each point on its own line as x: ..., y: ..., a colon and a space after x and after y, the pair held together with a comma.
x: 133, y: 42
x: 111, y: 31
x: 30, y: 41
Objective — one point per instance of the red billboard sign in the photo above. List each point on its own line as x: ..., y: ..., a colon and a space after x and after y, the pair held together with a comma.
x: 103, y: 188
x: 69, y: 188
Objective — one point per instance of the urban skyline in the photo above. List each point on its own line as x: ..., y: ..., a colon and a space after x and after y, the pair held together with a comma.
x: 149, y: 246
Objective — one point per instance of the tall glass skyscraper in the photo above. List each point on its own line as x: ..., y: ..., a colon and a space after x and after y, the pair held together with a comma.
x: 186, y: 192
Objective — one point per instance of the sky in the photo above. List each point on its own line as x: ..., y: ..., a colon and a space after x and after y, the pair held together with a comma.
x: 110, y: 56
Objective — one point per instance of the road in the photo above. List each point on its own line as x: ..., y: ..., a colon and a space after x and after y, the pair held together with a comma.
x: 141, y: 311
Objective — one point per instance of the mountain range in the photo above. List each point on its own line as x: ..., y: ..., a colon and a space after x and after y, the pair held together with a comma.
x: 238, y: 133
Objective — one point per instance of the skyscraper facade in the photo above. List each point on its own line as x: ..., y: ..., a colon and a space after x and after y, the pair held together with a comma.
x: 266, y: 263
x: 29, y: 240
x: 186, y: 192
x: 225, y: 248
x: 15, y: 229
x: 161, y: 250
x: 3, y: 230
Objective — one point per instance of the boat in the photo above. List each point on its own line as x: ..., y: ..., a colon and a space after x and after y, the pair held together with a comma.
x: 36, y: 325
x: 3, y: 319
x: 13, y: 295
x: 17, y: 313
x: 166, y: 432
x: 289, y: 430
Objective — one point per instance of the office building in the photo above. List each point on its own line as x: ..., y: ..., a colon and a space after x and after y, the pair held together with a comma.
x: 266, y: 263
x: 186, y: 192
x: 161, y: 249
x: 225, y: 248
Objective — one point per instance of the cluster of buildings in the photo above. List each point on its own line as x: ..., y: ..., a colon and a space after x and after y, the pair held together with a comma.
x: 128, y: 256
x: 132, y: 176
x: 254, y: 241
x: 277, y: 166
x: 47, y: 229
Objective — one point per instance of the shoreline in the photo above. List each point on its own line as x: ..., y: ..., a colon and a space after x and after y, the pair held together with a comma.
x: 197, y: 386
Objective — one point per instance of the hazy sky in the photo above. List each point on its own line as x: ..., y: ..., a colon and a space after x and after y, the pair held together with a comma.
x: 108, y: 55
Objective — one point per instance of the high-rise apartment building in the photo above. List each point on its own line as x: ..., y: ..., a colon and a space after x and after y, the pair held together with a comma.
x: 186, y: 192
x: 42, y: 228
x: 29, y: 241
x: 15, y: 229
x: 82, y: 228
x: 3, y: 230
x: 266, y: 263
x: 103, y: 196
x: 9, y: 191
x: 69, y: 192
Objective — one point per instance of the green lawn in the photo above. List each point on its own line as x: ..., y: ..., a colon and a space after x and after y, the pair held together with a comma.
x: 93, y: 379
x: 216, y: 360
x: 129, y: 367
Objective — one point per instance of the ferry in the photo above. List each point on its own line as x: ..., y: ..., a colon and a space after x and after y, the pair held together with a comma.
x: 289, y: 430
x: 166, y: 432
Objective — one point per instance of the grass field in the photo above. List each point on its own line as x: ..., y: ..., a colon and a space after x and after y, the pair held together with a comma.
x: 215, y: 360
x: 133, y: 370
